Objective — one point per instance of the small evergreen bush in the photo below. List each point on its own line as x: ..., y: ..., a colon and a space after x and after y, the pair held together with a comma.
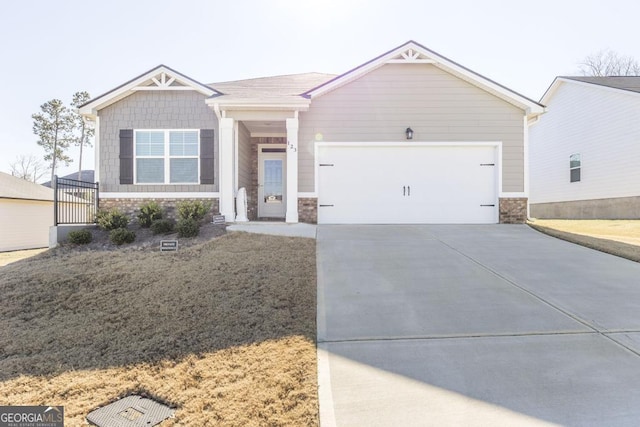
x: 111, y: 219
x: 80, y: 237
x: 196, y: 209
x: 162, y: 226
x: 119, y: 236
x: 149, y: 212
x: 187, y: 227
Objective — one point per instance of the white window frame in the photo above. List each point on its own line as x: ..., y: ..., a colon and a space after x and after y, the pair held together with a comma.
x: 166, y: 157
x: 572, y: 168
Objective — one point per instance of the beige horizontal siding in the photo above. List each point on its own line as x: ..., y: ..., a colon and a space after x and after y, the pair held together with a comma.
x: 439, y: 107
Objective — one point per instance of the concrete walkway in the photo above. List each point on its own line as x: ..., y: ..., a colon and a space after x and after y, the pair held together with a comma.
x: 276, y: 228
x: 474, y: 325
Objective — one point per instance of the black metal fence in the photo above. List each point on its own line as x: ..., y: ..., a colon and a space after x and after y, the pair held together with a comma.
x: 74, y: 202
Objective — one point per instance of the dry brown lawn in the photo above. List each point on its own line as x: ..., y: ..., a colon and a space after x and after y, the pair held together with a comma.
x: 223, y: 331
x: 617, y: 237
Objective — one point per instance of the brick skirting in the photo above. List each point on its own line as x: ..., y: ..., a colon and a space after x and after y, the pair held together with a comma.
x: 308, y: 210
x: 131, y: 207
x: 513, y: 210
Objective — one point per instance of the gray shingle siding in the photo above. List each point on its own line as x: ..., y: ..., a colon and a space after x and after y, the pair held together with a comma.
x: 152, y: 110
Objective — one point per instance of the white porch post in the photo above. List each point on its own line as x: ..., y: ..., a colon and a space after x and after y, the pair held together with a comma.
x: 292, y: 170
x: 226, y: 168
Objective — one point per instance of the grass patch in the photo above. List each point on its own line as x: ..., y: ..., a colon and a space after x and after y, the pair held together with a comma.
x: 223, y: 331
x: 616, y: 237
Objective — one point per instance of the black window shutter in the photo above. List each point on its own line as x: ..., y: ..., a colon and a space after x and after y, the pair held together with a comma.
x: 126, y: 156
x: 207, y: 138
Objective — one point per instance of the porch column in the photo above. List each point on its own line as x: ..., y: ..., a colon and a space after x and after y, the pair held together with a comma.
x: 292, y: 170
x: 226, y: 162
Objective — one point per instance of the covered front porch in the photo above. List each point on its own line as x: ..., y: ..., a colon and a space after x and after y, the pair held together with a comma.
x: 259, y: 152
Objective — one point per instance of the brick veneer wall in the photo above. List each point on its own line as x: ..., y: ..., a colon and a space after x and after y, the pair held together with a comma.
x: 308, y: 210
x: 131, y: 207
x: 513, y: 210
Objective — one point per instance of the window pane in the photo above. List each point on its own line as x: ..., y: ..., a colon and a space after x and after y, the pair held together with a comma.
x: 184, y: 170
x: 183, y: 143
x: 149, y: 143
x: 273, y: 181
x: 575, y: 175
x: 149, y: 171
x: 574, y: 161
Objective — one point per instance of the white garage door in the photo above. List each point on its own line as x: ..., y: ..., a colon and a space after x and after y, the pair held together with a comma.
x: 407, y: 184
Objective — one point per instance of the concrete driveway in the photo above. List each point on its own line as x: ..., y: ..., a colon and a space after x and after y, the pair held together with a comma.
x: 474, y: 325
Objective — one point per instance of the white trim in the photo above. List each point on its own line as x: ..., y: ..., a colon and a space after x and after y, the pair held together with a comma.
x: 308, y: 195
x: 236, y: 137
x: 96, y: 152
x: 268, y: 134
x: 526, y: 159
x: 261, y: 172
x: 412, y: 143
x: 225, y: 168
x: 510, y: 195
x: 159, y: 195
x: 292, y: 126
x: 141, y: 82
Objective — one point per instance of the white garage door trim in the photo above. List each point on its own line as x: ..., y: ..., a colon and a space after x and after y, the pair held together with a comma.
x: 412, y: 144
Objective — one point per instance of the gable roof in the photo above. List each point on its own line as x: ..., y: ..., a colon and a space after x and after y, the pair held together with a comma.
x: 158, y: 78
x: 285, y: 89
x: 630, y: 83
x: 12, y: 187
x: 619, y: 83
x: 414, y: 53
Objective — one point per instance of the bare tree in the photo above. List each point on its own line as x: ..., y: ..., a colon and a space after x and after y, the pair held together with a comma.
x: 28, y: 168
x: 84, y: 130
x: 609, y: 63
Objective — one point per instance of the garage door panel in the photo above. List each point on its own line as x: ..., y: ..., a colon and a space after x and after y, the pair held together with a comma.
x: 407, y: 184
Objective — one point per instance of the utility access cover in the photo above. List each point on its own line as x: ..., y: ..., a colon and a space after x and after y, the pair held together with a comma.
x: 131, y: 411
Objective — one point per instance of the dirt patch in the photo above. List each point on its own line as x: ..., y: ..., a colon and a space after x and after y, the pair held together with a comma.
x: 13, y: 256
x: 224, y: 331
x: 616, y: 237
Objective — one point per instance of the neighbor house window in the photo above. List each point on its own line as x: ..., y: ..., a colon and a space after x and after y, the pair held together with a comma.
x: 166, y: 156
x: 575, y: 165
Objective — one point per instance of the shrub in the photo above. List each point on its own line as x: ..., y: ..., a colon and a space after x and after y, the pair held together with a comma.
x: 195, y: 210
x: 119, y: 236
x: 162, y: 226
x: 149, y: 212
x: 188, y: 227
x: 80, y: 237
x: 111, y: 219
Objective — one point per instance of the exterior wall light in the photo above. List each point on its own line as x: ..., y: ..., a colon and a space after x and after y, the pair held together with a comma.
x: 409, y: 133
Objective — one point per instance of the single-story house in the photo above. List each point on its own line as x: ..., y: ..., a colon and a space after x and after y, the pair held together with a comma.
x: 585, y: 150
x: 26, y: 213
x: 407, y: 137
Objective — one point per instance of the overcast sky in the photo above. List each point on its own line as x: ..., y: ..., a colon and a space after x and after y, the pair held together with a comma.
x: 51, y: 49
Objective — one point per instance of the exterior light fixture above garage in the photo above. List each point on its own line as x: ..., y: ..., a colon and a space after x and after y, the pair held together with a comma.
x: 409, y: 133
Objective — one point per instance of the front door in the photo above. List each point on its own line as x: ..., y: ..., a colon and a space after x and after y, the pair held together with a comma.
x: 272, y: 182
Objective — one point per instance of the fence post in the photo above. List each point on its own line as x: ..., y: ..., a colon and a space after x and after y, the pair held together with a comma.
x: 95, y: 218
x: 55, y: 200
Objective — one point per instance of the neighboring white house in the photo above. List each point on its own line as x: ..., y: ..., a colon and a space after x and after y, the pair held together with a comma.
x: 26, y: 213
x: 585, y: 151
